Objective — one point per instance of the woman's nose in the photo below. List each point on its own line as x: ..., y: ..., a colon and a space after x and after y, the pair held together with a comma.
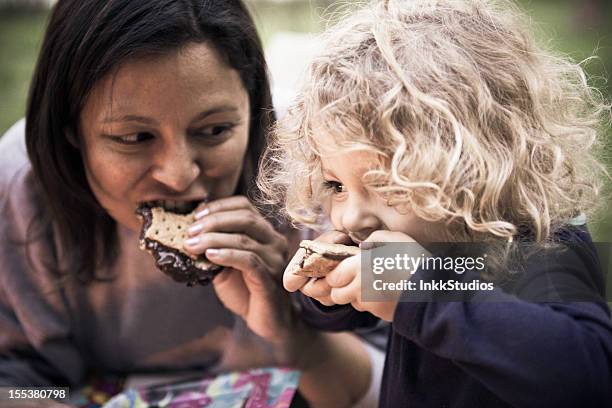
x: 176, y: 166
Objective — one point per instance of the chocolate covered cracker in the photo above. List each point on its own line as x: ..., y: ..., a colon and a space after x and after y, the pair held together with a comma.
x: 162, y: 235
x: 316, y: 259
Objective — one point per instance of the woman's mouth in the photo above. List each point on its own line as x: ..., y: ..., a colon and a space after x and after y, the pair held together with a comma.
x: 175, y: 206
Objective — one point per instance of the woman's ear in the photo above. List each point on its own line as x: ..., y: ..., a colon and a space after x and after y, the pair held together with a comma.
x: 72, y: 138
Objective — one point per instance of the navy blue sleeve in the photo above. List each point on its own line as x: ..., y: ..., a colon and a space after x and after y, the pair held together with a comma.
x: 333, y: 318
x: 527, y: 353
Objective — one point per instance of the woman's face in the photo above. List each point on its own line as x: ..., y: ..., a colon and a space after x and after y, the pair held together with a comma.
x: 172, y: 128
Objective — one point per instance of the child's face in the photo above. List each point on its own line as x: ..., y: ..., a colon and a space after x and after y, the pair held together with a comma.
x: 357, y: 209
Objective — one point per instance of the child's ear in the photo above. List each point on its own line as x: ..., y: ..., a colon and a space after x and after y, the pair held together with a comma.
x: 72, y: 138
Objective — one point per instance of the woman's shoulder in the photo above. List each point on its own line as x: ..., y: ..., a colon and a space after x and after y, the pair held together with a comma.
x: 18, y: 202
x: 14, y: 162
x: 20, y: 206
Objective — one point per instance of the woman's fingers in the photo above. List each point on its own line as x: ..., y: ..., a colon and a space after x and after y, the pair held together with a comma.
x: 255, y: 272
x: 232, y: 291
x: 236, y: 214
x: 252, y: 295
x: 223, y: 204
x: 233, y: 223
x: 240, y: 220
x: 199, y: 244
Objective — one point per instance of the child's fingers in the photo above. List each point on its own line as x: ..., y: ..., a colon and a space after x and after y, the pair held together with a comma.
x: 367, y: 245
x: 387, y: 236
x: 380, y: 238
x: 325, y: 301
x: 347, y: 294
x: 358, y: 306
x: 291, y: 281
x: 316, y: 288
x: 334, y: 237
x: 344, y: 273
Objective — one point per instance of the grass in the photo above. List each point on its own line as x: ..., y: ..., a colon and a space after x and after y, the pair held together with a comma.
x: 20, y: 38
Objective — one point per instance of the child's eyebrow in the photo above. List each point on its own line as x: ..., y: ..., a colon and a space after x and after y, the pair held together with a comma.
x: 327, y: 172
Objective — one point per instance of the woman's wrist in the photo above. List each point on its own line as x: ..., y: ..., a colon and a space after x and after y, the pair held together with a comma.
x: 329, y: 362
x: 336, y: 370
x: 298, y: 345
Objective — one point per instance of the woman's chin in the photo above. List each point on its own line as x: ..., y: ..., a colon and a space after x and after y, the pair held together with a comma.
x: 131, y: 223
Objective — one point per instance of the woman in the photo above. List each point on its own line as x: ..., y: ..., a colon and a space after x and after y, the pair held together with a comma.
x: 133, y: 102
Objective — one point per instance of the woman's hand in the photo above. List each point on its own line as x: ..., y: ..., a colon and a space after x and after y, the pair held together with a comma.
x: 335, y: 367
x: 232, y: 233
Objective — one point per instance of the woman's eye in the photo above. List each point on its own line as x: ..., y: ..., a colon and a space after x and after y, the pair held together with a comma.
x: 133, y: 138
x: 334, y: 186
x: 215, y: 131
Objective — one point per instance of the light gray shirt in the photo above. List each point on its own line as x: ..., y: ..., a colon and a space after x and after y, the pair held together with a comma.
x: 139, y: 322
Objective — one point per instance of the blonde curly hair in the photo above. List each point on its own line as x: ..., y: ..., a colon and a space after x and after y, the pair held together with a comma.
x: 474, y: 124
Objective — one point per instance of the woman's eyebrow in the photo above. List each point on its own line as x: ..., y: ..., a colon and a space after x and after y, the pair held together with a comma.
x: 216, y: 109
x: 151, y: 121
x: 131, y: 118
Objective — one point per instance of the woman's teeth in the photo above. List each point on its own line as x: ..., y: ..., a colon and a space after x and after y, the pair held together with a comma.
x: 174, y: 206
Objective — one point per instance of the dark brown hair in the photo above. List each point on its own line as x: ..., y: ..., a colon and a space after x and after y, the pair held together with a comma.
x: 84, y: 42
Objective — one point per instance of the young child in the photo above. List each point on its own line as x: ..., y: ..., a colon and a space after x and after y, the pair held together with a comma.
x: 442, y: 120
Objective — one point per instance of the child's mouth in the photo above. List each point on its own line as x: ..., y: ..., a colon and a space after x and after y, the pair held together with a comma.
x: 356, y: 241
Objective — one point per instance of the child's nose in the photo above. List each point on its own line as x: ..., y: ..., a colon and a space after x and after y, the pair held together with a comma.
x: 359, y: 220
x: 176, y: 166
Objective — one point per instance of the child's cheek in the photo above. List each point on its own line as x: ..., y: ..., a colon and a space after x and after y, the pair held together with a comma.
x: 333, y: 211
x: 326, y: 205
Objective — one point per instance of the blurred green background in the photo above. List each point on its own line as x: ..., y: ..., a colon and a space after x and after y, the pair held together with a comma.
x: 578, y: 28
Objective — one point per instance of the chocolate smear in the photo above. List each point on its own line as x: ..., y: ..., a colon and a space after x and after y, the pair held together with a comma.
x: 158, y: 228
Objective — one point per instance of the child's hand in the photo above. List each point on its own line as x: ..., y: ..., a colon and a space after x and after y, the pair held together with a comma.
x: 345, y: 279
x: 345, y: 284
x: 312, y: 287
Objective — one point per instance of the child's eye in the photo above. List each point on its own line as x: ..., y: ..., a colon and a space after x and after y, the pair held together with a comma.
x: 334, y: 186
x: 133, y: 138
